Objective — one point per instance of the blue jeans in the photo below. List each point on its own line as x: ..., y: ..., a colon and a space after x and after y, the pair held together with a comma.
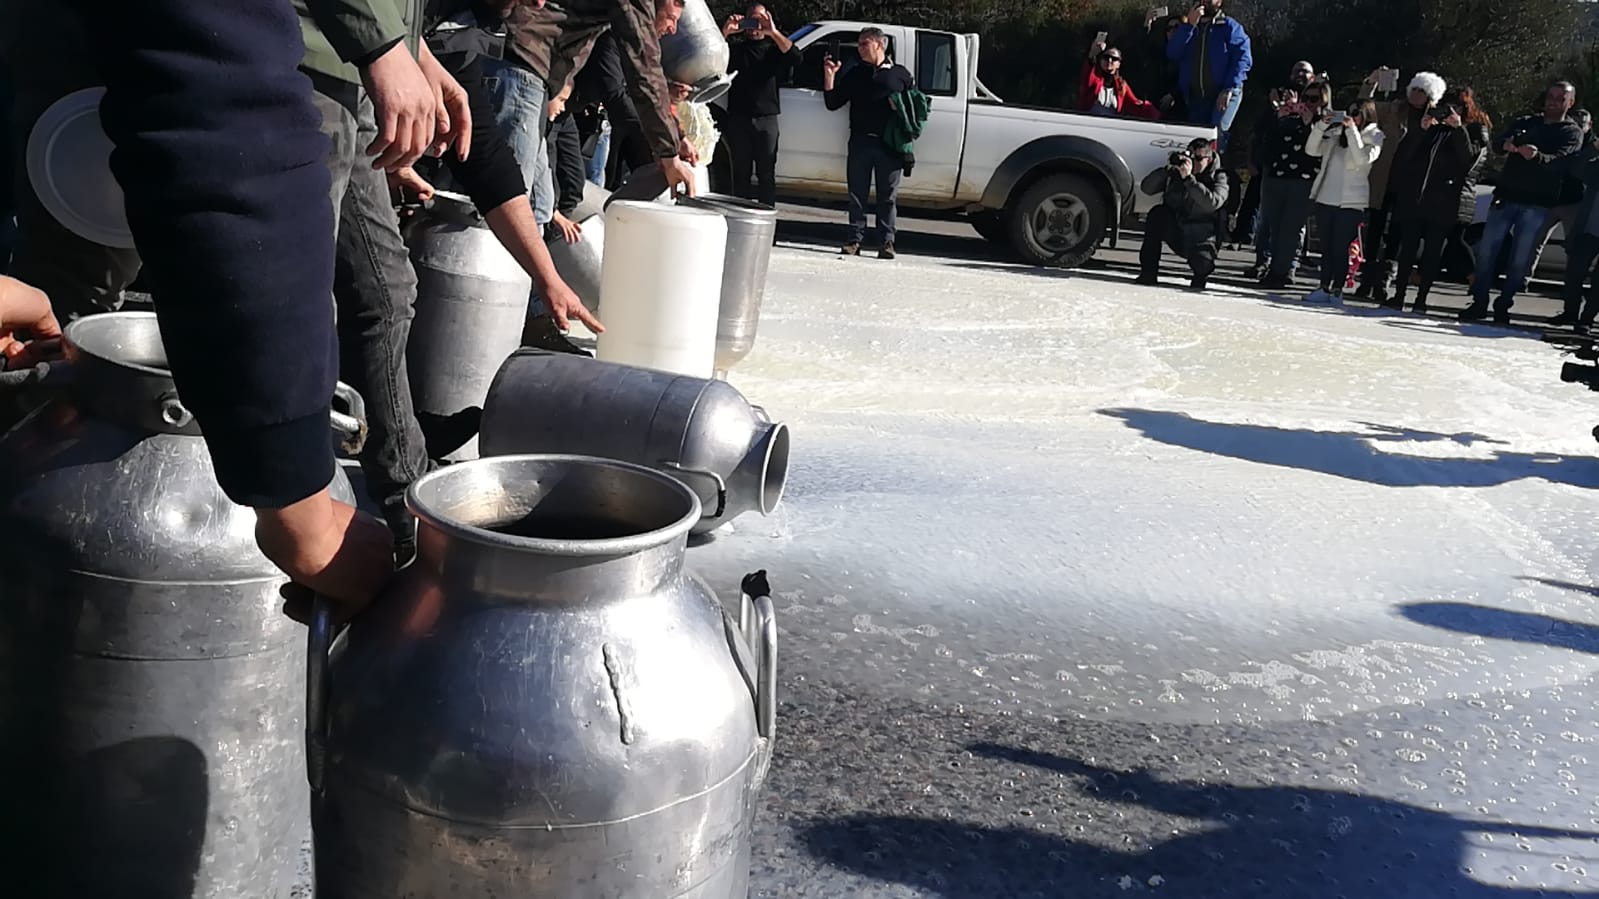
x: 602, y: 154
x: 519, y: 97
x: 1204, y: 112
x: 1521, y: 224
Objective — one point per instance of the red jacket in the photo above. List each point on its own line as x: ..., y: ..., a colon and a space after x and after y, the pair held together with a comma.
x: 1126, y: 102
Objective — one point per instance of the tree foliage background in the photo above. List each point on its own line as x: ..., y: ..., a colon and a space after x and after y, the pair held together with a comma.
x: 1033, y: 51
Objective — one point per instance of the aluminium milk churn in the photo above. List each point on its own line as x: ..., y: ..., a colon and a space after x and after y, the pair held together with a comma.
x: 151, y: 691
x: 545, y: 704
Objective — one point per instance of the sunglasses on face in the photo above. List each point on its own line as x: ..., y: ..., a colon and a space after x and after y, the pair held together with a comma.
x: 1106, y: 57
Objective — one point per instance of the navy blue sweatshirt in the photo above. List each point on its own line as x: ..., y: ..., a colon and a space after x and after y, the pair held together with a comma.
x: 223, y: 167
x: 1535, y: 181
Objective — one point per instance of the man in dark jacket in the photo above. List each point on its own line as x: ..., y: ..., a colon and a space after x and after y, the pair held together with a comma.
x: 1530, y: 187
x: 637, y: 27
x: 762, y: 58
x: 866, y: 89
x: 1189, y: 219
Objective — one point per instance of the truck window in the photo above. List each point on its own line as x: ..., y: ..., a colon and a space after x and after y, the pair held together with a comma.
x: 935, y: 63
x: 838, y: 44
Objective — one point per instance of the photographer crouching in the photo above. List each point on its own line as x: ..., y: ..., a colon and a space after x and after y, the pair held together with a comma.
x: 1189, y: 219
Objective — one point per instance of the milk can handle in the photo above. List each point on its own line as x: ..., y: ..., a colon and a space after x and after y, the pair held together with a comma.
x: 351, y: 428
x: 319, y: 641
x: 721, y: 485
x: 757, y: 621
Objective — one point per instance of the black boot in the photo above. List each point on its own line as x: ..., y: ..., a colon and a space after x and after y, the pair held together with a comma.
x: 1476, y: 312
x: 1147, y: 277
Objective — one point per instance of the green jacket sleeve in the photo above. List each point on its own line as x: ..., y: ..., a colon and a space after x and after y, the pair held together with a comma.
x: 358, y: 28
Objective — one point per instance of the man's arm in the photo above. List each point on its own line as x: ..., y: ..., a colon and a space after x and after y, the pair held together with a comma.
x: 1240, y: 59
x: 633, y: 26
x: 1205, y: 199
x: 359, y: 30
x: 236, y: 234
x: 1178, y: 44
x: 1154, y: 183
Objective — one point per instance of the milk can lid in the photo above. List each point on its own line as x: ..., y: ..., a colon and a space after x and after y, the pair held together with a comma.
x: 69, y: 165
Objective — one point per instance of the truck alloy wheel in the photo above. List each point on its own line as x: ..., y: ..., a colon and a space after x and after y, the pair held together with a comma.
x: 1058, y: 221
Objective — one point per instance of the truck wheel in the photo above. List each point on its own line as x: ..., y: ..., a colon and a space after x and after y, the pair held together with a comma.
x: 1058, y: 221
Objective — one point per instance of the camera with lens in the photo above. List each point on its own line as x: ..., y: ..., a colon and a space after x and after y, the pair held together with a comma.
x: 1177, y: 158
x: 1578, y: 373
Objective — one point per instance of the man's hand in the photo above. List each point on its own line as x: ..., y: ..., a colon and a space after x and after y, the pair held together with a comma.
x: 406, y: 107
x: 678, y: 174
x: 564, y: 306
x: 731, y: 26
x: 1427, y: 121
x: 1223, y: 99
x: 1527, y: 151
x: 679, y: 91
x: 830, y: 67
x: 571, y: 231
x: 1185, y: 169
x: 409, y: 185
x: 1195, y: 14
x: 328, y: 548
x: 26, y: 308
x: 1150, y: 17
x: 1454, y: 119
x: 767, y: 26
x: 1510, y: 146
x: 687, y: 153
x: 453, y: 109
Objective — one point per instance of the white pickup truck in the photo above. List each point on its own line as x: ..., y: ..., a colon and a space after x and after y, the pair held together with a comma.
x: 1049, y: 184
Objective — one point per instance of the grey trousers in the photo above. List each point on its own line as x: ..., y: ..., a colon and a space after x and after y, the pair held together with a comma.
x: 374, y: 292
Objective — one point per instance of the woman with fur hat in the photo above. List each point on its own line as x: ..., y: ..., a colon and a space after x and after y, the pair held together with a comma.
x: 1397, y: 118
x: 1435, y: 175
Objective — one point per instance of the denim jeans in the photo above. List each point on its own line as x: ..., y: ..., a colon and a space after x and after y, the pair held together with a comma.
x: 374, y: 289
x: 1338, y: 228
x: 1280, y: 231
x: 1522, y: 225
x: 602, y: 154
x: 1205, y: 113
x: 869, y: 157
x: 520, y: 97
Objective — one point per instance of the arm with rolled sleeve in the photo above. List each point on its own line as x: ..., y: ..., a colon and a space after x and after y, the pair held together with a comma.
x: 223, y: 167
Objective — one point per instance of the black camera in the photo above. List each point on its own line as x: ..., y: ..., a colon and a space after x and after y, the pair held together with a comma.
x: 1177, y: 158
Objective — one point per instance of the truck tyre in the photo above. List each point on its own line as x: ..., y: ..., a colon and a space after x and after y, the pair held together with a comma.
x: 1058, y: 221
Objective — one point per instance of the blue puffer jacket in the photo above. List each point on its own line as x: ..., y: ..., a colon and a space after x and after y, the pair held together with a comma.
x: 1226, y: 50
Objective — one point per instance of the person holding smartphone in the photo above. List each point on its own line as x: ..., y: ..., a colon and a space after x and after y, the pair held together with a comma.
x: 1435, y: 175
x: 762, y: 59
x: 1288, y: 173
x: 1103, y: 90
x: 1398, y: 117
x: 1347, y: 142
x: 1213, y: 55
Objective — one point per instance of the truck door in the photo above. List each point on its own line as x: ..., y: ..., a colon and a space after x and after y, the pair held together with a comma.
x: 937, y: 68
x: 813, y: 140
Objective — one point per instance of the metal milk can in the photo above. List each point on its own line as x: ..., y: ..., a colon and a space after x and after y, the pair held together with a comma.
x: 698, y: 54
x: 471, y: 307
x: 545, y: 704
x: 150, y: 688
x: 751, y: 230
x: 698, y: 430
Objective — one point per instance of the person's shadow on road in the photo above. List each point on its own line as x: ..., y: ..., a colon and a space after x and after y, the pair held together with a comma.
x: 1233, y: 842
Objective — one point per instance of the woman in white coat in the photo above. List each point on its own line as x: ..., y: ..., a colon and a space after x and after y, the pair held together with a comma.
x: 1348, y: 143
